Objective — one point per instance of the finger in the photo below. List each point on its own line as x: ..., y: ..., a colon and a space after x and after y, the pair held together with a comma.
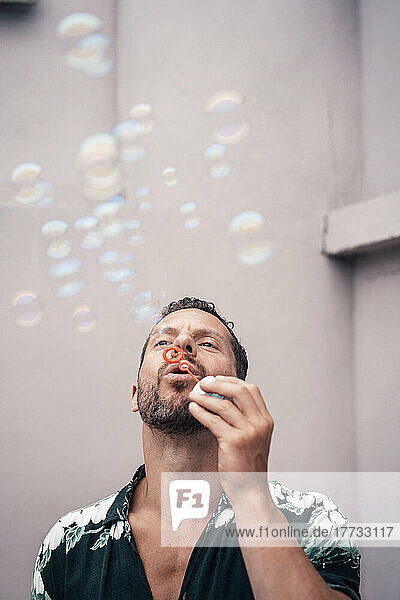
x: 253, y: 389
x: 224, y: 408
x: 214, y: 423
x: 237, y: 390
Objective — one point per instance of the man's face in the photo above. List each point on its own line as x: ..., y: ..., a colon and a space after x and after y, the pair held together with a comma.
x: 163, y: 398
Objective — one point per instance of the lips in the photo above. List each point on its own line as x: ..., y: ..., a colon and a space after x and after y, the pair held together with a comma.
x: 174, y: 368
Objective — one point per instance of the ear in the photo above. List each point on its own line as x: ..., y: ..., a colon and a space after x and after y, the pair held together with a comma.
x: 134, y: 404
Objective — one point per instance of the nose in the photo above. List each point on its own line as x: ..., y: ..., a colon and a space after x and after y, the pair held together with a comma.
x: 185, y: 341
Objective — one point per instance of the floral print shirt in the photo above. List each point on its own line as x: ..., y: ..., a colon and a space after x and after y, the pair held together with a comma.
x: 90, y: 553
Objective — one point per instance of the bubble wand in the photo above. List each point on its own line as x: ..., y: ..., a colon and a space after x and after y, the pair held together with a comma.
x: 183, y: 365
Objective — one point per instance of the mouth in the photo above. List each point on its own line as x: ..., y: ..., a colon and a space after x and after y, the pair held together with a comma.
x: 172, y: 377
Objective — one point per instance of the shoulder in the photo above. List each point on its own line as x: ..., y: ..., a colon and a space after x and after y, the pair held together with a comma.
x: 323, y: 519
x: 65, y: 534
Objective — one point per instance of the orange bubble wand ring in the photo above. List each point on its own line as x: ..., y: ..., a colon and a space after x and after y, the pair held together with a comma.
x: 177, y: 358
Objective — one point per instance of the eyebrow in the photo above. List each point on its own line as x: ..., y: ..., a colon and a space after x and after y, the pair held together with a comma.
x: 196, y: 332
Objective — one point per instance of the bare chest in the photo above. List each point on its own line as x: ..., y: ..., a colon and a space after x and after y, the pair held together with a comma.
x: 165, y: 567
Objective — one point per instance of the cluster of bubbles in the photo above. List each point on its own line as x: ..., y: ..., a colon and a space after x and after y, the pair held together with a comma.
x: 249, y: 238
x: 104, y: 161
x: 28, y: 187
x: 219, y: 103
x: 86, y: 48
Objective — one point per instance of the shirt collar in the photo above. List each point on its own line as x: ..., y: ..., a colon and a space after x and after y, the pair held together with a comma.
x: 119, y: 509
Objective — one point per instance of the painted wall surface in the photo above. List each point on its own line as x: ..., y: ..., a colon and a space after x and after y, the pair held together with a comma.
x: 69, y: 436
x: 377, y: 278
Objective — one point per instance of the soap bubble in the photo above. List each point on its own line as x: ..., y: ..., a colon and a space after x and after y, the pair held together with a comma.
x: 103, y: 182
x: 143, y: 308
x: 25, y: 173
x: 70, y: 289
x: 92, y: 241
x: 27, y: 307
x: 133, y: 228
x: 118, y: 275
x: 86, y: 223
x: 60, y: 248
x: 223, y: 101
x: 108, y: 257
x: 247, y: 231
x: 97, y: 150
x: 78, y: 25
x: 111, y: 230
x: 246, y: 222
x: 169, y: 176
x: 108, y: 208
x: 232, y: 133
x: 214, y: 151
x: 54, y: 229
x: 127, y: 134
x: 141, y: 113
x: 189, y: 211
x: 65, y: 268
x: 220, y: 171
x: 28, y: 189
x: 124, y: 287
x: 84, y: 318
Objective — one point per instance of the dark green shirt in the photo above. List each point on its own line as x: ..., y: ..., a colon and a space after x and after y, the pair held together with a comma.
x: 90, y: 553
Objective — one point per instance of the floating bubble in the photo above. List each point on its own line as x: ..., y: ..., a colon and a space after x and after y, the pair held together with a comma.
x: 109, y: 257
x: 214, y: 151
x: 44, y: 190
x: 54, y: 229
x: 127, y: 133
x: 86, y: 223
x: 84, y: 318
x: 246, y: 222
x: 65, y: 268
x: 142, y: 192
x: 103, y: 182
x: 111, y: 229
x: 25, y: 173
x: 169, y: 176
x: 109, y: 208
x: 124, y: 287
x: 92, y: 241
x: 97, y: 150
x: 188, y: 210
x: 118, y: 275
x: 143, y: 308
x: 27, y: 307
x: 59, y: 249
x: 70, y: 289
x: 133, y: 227
x: 223, y: 101
x: 247, y: 230
x: 78, y: 25
x: 220, y: 171
x: 232, y: 133
x: 254, y: 254
x: 141, y: 114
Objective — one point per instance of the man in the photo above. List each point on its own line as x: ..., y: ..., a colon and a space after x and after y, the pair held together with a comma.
x: 112, y: 549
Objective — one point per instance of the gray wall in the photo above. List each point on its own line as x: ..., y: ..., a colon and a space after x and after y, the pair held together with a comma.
x: 68, y: 436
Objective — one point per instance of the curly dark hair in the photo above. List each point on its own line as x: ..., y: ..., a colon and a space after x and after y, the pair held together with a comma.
x: 238, y: 350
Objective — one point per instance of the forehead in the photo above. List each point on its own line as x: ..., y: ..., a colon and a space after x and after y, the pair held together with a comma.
x: 190, y: 319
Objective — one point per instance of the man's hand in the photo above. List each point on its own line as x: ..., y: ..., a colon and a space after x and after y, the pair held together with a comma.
x: 243, y: 428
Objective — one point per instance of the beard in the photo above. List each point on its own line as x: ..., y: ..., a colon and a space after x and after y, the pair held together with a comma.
x: 168, y: 414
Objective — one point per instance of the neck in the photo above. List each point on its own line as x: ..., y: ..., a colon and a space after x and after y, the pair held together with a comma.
x: 165, y: 453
